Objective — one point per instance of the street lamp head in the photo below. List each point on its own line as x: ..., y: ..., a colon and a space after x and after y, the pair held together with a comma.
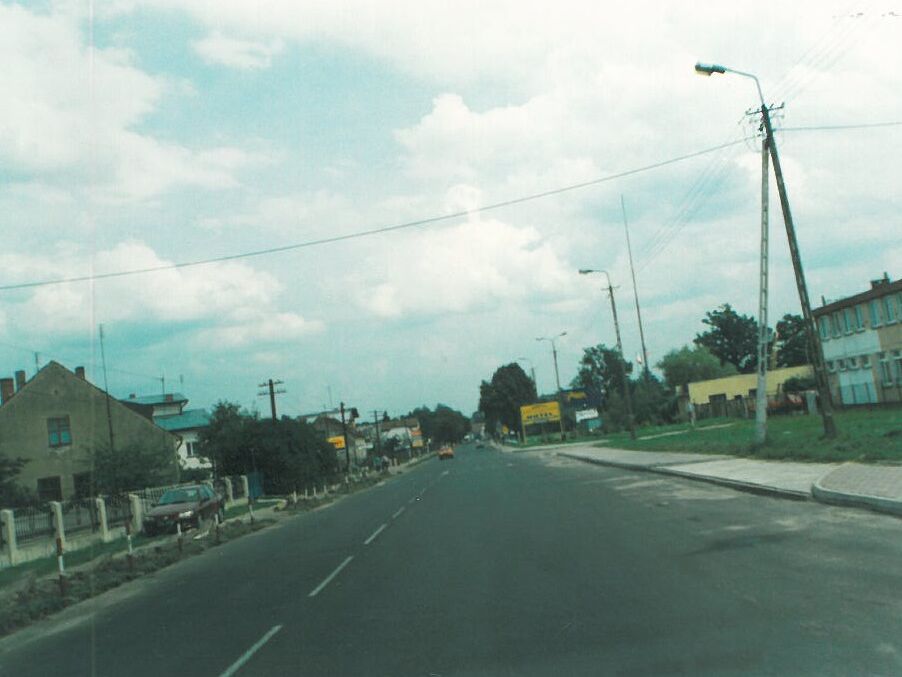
x: 563, y: 333
x: 585, y: 271
x: 708, y: 69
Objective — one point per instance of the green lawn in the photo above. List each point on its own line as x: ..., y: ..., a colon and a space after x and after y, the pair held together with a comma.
x: 870, y: 435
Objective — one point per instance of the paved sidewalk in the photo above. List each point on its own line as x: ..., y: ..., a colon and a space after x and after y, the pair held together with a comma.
x: 877, y: 487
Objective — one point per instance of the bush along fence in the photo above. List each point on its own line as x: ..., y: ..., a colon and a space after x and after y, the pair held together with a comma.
x: 31, y: 533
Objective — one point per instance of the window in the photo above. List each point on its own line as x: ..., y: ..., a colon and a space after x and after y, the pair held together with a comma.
x: 874, y: 311
x: 58, y: 433
x: 837, y: 324
x: 190, y: 449
x: 890, y: 309
x: 841, y: 364
x: 859, y: 318
x: 885, y: 373
x: 830, y: 365
x: 848, y: 323
x: 865, y: 361
x: 897, y: 362
x: 50, y: 489
x: 82, y: 483
x: 824, y: 323
x: 852, y: 363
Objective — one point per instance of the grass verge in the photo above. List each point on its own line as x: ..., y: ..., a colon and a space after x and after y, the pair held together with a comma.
x: 864, y: 435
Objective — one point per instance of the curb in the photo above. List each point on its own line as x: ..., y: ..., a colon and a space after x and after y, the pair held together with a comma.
x: 748, y: 487
x: 849, y: 499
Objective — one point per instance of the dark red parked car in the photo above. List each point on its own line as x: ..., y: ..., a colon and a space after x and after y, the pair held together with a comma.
x: 189, y: 506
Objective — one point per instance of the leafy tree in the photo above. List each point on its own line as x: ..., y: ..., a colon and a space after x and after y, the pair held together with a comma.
x: 798, y: 384
x: 501, y: 398
x: 687, y: 365
x: 443, y: 426
x: 13, y: 495
x: 652, y: 403
x: 792, y: 341
x: 601, y: 371
x: 732, y: 338
x: 131, y: 466
x: 289, y: 453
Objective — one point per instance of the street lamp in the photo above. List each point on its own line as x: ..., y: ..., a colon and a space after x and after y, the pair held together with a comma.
x: 557, y: 376
x: 761, y: 388
x: 532, y: 369
x: 814, y: 341
x: 627, y: 398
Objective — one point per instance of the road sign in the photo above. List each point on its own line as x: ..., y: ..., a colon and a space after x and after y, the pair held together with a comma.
x: 586, y: 414
x: 338, y: 441
x: 540, y: 413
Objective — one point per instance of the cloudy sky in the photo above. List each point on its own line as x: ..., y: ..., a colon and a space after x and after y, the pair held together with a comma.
x: 138, y: 134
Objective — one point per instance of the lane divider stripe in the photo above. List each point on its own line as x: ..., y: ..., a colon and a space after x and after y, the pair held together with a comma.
x: 398, y: 513
x: 374, y: 534
x: 329, y: 578
x: 246, y: 656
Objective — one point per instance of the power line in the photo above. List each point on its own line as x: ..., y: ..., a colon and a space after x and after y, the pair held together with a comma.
x: 373, y: 231
x: 818, y: 128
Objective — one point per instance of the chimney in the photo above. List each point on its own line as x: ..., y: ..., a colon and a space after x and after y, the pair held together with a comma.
x: 20, y: 380
x: 7, y: 388
x: 80, y: 372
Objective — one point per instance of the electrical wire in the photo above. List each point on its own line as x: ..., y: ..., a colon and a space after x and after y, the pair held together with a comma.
x: 372, y: 231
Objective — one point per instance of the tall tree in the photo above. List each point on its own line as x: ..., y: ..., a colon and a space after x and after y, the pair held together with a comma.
x: 792, y: 341
x: 13, y: 495
x: 501, y: 398
x: 732, y: 338
x: 687, y: 365
x: 600, y: 371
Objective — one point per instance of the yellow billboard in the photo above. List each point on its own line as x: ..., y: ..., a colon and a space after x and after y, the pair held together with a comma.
x: 540, y: 413
x: 338, y: 441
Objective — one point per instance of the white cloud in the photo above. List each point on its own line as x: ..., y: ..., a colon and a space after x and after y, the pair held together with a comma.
x: 71, y: 114
x: 234, y: 303
x: 476, y: 264
x: 217, y: 48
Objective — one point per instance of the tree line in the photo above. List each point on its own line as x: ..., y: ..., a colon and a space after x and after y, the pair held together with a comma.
x: 728, y: 346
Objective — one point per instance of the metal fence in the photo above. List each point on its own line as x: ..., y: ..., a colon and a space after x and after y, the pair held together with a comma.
x: 34, y: 523
x: 80, y: 514
x: 118, y: 509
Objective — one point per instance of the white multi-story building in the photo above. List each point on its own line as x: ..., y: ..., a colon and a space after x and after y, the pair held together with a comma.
x: 862, y: 340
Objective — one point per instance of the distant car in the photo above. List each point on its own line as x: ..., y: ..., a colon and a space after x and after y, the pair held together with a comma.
x: 189, y: 506
x: 445, y: 452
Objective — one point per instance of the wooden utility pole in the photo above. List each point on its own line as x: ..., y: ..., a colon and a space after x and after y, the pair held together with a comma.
x: 271, y: 390
x: 814, y: 342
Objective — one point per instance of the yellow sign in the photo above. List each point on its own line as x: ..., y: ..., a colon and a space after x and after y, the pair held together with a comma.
x: 338, y: 441
x: 416, y: 439
x: 540, y: 413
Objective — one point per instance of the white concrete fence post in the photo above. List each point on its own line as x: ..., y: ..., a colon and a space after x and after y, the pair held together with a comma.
x: 104, y: 524
x: 229, y: 493
x: 137, y: 513
x: 246, y: 488
x: 8, y: 525
x: 57, y: 509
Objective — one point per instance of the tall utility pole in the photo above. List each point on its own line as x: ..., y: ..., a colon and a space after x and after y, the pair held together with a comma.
x: 344, y: 434
x: 814, y: 339
x: 627, y: 397
x: 761, y: 390
x: 106, y: 390
x: 272, y: 391
x: 378, y: 438
x: 557, y: 376
x: 629, y: 251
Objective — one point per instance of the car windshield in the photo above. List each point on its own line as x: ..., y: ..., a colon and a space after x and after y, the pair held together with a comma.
x: 179, y: 496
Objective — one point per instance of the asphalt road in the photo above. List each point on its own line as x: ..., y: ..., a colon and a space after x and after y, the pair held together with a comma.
x: 509, y: 564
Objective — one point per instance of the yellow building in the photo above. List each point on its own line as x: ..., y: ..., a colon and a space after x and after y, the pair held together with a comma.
x: 743, y: 385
